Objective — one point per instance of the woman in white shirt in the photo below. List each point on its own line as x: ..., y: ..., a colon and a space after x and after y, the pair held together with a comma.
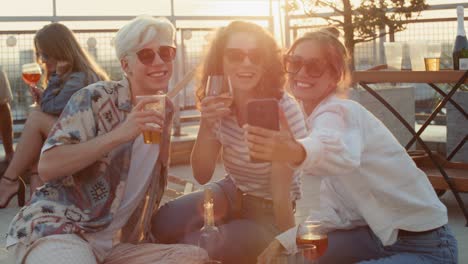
x: 378, y: 206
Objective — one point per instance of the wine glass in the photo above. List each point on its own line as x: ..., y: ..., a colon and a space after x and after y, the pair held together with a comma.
x: 220, y: 87
x: 31, y: 75
x: 312, y: 232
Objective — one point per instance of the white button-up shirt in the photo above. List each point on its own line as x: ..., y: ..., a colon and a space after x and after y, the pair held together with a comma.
x: 368, y: 178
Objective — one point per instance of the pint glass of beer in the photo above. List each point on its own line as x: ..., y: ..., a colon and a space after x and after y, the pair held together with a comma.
x: 153, y: 137
x: 312, y: 232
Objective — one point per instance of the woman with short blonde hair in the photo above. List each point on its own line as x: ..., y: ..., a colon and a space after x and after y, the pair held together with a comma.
x: 102, y: 182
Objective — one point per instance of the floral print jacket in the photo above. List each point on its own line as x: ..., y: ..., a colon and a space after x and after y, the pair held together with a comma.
x: 86, y: 201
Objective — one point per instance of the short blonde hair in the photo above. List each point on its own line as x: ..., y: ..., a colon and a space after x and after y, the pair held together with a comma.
x: 140, y: 31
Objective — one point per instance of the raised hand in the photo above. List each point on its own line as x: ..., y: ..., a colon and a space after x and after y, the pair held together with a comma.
x: 212, y: 110
x: 36, y: 93
x: 140, y: 120
x: 273, y: 145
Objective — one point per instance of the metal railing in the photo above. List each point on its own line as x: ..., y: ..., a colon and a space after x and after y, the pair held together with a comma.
x: 191, y: 44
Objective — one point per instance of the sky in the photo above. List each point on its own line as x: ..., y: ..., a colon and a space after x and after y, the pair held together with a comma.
x: 124, y: 7
x: 15, y: 8
x: 135, y: 7
x: 127, y: 8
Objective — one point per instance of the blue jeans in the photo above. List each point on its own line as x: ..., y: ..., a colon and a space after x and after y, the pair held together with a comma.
x: 247, y: 230
x: 361, y: 245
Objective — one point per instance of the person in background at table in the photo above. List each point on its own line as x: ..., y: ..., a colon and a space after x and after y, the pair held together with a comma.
x: 102, y: 182
x: 67, y: 68
x: 254, y: 202
x: 377, y: 205
x: 6, y: 124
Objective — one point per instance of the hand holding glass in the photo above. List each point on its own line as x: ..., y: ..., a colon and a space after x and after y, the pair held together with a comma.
x: 31, y: 75
x: 219, y: 86
x: 153, y: 137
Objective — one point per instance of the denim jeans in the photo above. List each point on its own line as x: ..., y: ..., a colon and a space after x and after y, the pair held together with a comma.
x: 246, y: 233
x: 361, y: 245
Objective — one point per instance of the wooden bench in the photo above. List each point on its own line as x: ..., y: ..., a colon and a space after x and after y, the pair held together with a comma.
x: 456, y: 171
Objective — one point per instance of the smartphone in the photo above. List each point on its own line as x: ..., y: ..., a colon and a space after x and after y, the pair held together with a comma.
x: 263, y: 113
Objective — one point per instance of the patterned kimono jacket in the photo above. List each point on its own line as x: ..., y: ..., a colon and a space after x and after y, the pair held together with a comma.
x: 87, y: 200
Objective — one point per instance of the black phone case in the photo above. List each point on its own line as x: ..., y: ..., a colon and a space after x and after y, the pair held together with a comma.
x: 263, y: 113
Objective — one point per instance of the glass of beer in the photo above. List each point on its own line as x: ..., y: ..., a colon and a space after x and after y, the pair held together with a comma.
x: 312, y: 232
x: 432, y: 56
x: 220, y: 87
x: 153, y: 137
x: 432, y: 64
x: 31, y: 73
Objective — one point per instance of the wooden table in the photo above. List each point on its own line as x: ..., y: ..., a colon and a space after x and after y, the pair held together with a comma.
x: 438, y: 169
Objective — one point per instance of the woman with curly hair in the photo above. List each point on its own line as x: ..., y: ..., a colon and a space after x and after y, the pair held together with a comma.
x: 255, y: 201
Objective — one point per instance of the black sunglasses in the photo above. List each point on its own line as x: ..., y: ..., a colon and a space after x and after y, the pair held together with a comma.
x: 146, y: 56
x: 237, y: 56
x: 313, y: 67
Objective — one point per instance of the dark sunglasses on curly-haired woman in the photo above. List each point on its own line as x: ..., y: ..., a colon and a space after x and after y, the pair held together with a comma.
x: 237, y: 56
x: 314, y: 67
x: 146, y: 56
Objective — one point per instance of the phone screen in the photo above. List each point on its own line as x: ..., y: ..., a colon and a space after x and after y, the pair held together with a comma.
x: 263, y: 113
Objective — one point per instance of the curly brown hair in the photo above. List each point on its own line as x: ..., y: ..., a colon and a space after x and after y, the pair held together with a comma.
x: 273, y: 76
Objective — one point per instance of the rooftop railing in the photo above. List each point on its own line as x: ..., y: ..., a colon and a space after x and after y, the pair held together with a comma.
x: 16, y: 47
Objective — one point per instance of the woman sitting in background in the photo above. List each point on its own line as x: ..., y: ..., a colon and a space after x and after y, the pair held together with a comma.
x: 377, y: 205
x: 68, y: 68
